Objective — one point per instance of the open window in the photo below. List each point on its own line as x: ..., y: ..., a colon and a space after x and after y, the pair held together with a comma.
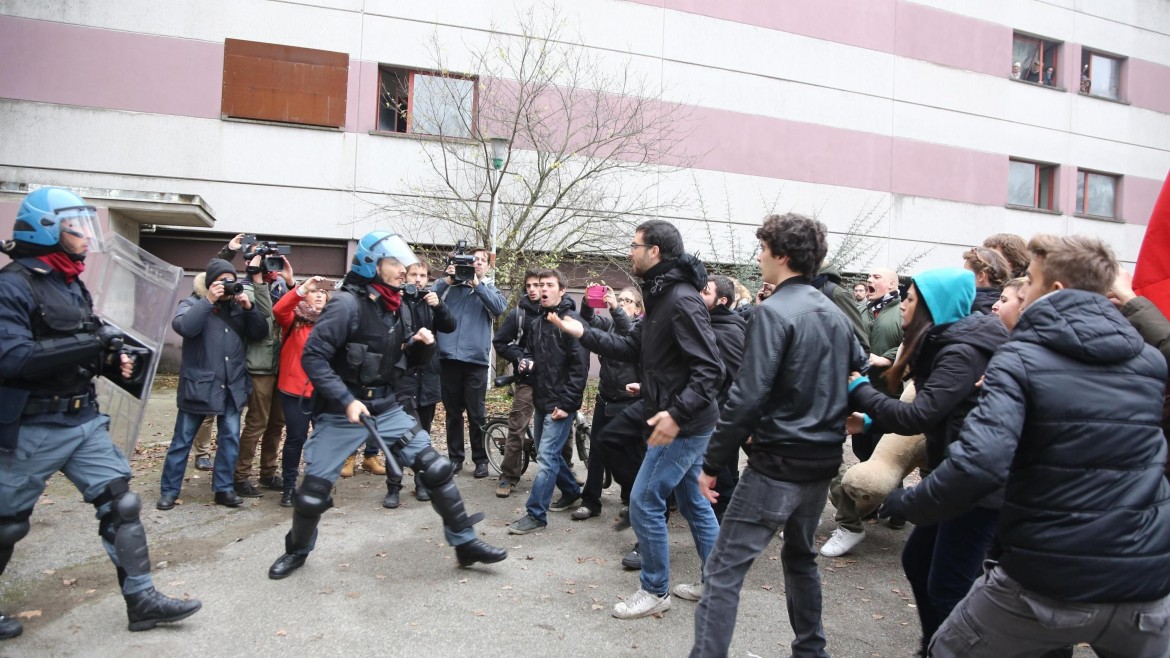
x: 1097, y: 194
x: 1034, y: 59
x: 1100, y: 75
x: 426, y: 103
x: 1031, y: 184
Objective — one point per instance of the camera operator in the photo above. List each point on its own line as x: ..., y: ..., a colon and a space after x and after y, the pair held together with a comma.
x: 464, y: 354
x: 213, y: 381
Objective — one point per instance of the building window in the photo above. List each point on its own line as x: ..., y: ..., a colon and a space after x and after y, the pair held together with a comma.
x: 1100, y: 75
x: 271, y: 82
x: 1034, y: 59
x: 426, y: 103
x: 1096, y: 194
x: 1031, y: 184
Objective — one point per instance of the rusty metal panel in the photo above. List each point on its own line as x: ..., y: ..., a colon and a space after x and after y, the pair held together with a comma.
x: 284, y: 83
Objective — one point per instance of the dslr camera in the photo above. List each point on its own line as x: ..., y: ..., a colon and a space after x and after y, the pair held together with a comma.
x: 233, y: 288
x: 464, y: 263
x: 271, y: 254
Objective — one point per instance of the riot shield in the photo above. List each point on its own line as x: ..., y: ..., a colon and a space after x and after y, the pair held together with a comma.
x: 136, y: 292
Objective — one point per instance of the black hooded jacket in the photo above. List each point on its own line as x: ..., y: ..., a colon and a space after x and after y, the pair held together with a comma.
x: 949, y: 363
x: 674, y: 344
x: 614, y: 374
x: 730, y: 328
x: 561, y: 364
x: 1069, y: 419
x: 985, y: 298
x: 509, y: 338
x: 421, y: 383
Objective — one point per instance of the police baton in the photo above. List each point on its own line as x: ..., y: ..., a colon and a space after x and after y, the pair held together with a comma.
x: 393, y: 470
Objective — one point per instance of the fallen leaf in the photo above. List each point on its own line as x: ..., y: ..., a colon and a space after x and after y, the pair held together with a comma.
x: 767, y: 587
x: 380, y: 576
x: 28, y: 614
x: 480, y: 613
x: 69, y: 582
x: 506, y: 587
x: 343, y: 565
x: 462, y: 581
x: 49, y: 572
x: 877, y: 616
x: 570, y: 582
x: 90, y: 591
x: 354, y: 595
x: 177, y: 583
x: 570, y: 591
x: 281, y: 633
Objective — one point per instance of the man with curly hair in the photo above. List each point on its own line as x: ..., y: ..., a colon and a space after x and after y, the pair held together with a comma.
x: 790, y: 397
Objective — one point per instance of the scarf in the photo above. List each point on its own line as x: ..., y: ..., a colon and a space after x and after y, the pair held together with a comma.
x: 391, y: 297
x: 306, y: 313
x: 877, y: 306
x: 61, y: 262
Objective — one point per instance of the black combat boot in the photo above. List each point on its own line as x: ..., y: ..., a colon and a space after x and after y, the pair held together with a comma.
x: 391, y: 500
x: 478, y: 550
x: 148, y: 608
x: 9, y: 627
x: 286, y: 497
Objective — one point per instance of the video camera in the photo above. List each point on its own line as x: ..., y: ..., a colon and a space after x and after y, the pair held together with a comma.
x: 271, y: 254
x: 464, y: 263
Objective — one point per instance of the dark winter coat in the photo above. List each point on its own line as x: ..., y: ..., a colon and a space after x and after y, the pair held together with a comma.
x: 790, y: 394
x: 675, y: 346
x: 828, y: 281
x: 1155, y: 330
x: 730, y: 330
x: 561, y: 363
x: 949, y: 363
x: 985, y: 298
x: 509, y: 339
x: 614, y: 374
x: 420, y: 384
x: 213, y: 366
x: 1069, y: 418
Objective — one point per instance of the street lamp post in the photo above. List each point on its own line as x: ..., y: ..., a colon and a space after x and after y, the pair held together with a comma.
x: 499, y: 152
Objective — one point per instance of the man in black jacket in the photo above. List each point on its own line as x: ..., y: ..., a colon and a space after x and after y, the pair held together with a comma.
x: 1069, y: 419
x: 730, y: 329
x: 560, y: 368
x: 790, y: 398
x: 510, y: 345
x: 681, y: 373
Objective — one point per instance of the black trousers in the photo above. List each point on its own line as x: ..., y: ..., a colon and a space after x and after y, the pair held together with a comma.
x: 621, y: 448
x: 603, y: 412
x: 464, y: 388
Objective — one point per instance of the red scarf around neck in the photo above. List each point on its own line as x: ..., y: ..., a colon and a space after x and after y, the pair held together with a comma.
x: 390, y: 297
x: 61, y: 262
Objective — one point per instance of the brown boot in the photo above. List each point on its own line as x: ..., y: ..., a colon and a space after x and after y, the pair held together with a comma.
x: 347, y: 470
x: 373, y: 465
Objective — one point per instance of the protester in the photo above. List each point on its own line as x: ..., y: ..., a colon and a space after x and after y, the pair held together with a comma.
x: 788, y: 396
x: 213, y: 380
x: 729, y: 329
x: 1069, y: 425
x: 510, y: 345
x: 1013, y: 248
x: 52, y: 344
x: 946, y: 351
x: 828, y: 281
x: 674, y: 344
x: 859, y: 297
x: 463, y: 358
x: 1007, y: 309
x: 991, y: 272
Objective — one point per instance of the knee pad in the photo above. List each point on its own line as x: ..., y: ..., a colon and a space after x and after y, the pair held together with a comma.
x: 13, y: 528
x: 116, y: 491
x: 128, y: 506
x: 313, y: 497
x: 435, y: 468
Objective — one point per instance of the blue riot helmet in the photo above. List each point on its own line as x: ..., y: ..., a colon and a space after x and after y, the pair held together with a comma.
x: 375, y: 246
x: 50, y: 212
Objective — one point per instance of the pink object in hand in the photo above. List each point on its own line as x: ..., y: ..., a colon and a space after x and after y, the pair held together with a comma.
x: 595, y: 296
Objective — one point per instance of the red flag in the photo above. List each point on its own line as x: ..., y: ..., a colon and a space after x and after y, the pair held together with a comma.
x: 1151, y: 276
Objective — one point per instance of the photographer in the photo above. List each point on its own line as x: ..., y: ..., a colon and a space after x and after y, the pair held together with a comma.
x: 215, y: 324
x: 509, y: 342
x: 464, y: 354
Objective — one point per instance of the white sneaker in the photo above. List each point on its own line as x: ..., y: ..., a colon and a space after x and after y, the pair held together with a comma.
x: 688, y: 591
x: 641, y: 604
x: 841, y: 542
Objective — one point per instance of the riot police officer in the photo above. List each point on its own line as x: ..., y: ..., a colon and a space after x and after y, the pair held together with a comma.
x: 356, y: 353
x: 52, y: 345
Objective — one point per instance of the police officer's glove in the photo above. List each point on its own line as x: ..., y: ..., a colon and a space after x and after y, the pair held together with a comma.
x: 110, y: 338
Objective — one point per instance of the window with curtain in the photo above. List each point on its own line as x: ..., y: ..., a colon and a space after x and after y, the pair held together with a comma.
x: 426, y: 103
x: 1100, y: 75
x: 1097, y: 194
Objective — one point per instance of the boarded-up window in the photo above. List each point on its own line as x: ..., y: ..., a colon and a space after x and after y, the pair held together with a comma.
x: 284, y: 83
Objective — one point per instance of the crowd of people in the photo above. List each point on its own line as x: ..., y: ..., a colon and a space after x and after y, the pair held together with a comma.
x: 1042, y: 518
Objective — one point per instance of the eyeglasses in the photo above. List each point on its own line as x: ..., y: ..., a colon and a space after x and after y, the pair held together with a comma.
x: 635, y: 245
x: 626, y: 300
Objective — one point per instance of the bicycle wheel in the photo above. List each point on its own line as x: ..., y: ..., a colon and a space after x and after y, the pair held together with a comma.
x: 528, y: 454
x: 495, y: 437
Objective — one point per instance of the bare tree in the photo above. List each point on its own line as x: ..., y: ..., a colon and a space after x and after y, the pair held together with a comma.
x: 588, y: 141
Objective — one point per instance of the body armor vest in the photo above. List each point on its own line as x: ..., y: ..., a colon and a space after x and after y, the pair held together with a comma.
x: 371, y: 354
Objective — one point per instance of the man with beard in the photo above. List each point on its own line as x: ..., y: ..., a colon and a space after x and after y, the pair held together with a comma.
x: 729, y: 328
x: 510, y: 345
x: 680, y: 371
x: 353, y: 359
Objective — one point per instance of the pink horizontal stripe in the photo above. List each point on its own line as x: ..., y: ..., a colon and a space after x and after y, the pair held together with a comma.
x: 962, y: 42
x: 1137, y: 199
x: 1149, y: 85
x: 71, y: 65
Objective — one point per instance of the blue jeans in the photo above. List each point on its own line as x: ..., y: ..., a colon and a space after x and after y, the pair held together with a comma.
x: 228, y: 449
x: 676, y: 468
x: 551, y: 468
x: 760, y: 507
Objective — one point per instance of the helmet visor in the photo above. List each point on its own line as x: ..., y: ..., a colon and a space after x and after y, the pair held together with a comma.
x: 80, y: 223
x: 393, y: 246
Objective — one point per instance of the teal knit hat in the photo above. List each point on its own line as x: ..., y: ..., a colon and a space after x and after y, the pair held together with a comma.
x: 947, y: 292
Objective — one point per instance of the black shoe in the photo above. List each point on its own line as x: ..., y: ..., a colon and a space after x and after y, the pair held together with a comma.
x: 391, y: 501
x: 247, y: 490
x: 150, y: 608
x: 481, y: 471
x: 286, y: 564
x: 286, y: 497
x: 421, y: 492
x: 228, y: 499
x: 165, y: 503
x: 203, y: 463
x: 623, y: 519
x: 896, y: 522
x: 633, y: 560
x: 478, y: 550
x: 9, y: 627
x: 274, y: 483
x: 564, y: 502
x: 456, y: 467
